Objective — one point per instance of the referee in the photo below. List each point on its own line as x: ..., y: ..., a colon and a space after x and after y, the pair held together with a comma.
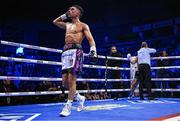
x: 145, y: 70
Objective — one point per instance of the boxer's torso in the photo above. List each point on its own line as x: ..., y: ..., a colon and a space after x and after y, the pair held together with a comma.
x: 74, y: 33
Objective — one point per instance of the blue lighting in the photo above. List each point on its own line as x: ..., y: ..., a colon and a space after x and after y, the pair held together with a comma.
x: 20, y: 51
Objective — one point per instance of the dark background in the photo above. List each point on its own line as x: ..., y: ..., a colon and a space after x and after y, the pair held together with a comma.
x: 110, y: 21
x: 131, y: 11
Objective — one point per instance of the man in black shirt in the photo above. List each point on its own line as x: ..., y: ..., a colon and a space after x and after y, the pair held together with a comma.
x: 115, y: 74
x: 163, y: 73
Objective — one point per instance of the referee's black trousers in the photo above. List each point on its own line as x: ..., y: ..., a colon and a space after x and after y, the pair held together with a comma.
x: 144, y: 79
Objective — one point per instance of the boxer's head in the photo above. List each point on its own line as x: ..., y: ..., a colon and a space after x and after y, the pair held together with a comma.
x: 75, y: 11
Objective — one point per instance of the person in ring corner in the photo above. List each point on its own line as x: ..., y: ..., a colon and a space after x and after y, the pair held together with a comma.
x: 115, y: 74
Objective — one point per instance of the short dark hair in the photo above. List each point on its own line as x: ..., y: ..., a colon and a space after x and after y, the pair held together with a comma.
x: 80, y: 9
x: 144, y: 44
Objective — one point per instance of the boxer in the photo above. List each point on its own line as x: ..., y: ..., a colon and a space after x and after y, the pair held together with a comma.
x: 72, y: 56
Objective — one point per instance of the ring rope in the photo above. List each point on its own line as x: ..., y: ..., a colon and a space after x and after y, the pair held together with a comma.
x: 31, y: 46
x: 29, y: 60
x: 56, y: 92
x: 55, y: 79
x: 169, y: 57
x: 165, y: 67
x: 84, y: 65
x: 60, y: 51
x: 79, y: 79
x: 165, y: 79
x: 80, y: 91
x: 52, y: 50
x: 56, y: 63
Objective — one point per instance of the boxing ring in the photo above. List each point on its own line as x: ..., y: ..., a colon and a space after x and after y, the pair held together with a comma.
x: 121, y: 109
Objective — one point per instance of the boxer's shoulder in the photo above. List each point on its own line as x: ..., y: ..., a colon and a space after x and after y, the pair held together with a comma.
x: 84, y: 25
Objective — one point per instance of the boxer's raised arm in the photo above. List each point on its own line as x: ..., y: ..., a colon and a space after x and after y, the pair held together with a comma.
x: 60, y: 21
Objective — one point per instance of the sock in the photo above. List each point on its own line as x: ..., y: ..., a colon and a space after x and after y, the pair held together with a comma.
x: 77, y: 96
x: 69, y: 102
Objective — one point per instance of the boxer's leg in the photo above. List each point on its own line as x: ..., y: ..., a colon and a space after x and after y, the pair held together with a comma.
x: 133, y: 87
x: 77, y: 69
x: 67, y: 108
